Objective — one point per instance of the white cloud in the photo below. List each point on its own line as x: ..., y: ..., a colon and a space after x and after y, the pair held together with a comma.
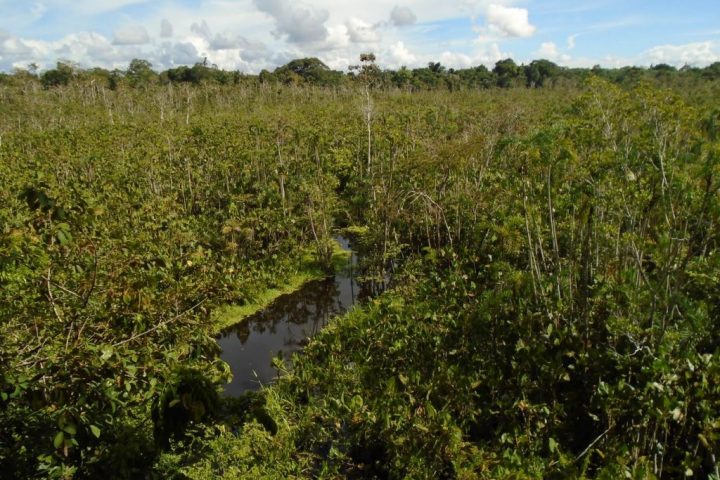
x: 508, y: 21
x: 402, y: 16
x: 201, y: 29
x: 337, y: 38
x: 254, y: 34
x: 548, y: 50
x: 87, y: 49
x: 299, y: 23
x: 131, y: 35
x: 225, y: 41
x: 571, y: 41
x: 180, y: 53
x: 246, y: 34
x: 696, y: 54
x: 399, y: 55
x: 456, y: 60
x: 229, y: 46
x: 337, y: 60
x: 11, y: 46
x: 490, y: 54
x: 78, y: 46
x: 361, y: 32
x: 259, y: 54
x: 166, y: 28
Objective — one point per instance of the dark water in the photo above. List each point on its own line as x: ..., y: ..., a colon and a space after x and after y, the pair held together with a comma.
x: 285, y: 327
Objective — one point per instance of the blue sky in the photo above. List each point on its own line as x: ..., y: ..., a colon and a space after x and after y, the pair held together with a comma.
x: 250, y: 35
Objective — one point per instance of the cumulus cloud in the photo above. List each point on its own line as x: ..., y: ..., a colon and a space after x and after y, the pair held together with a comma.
x: 337, y: 38
x: 201, y: 29
x: 400, y: 55
x: 78, y: 46
x: 338, y: 60
x: 131, y: 35
x: 180, y: 53
x: 89, y: 49
x: 166, y: 28
x: 273, y: 32
x: 402, y: 16
x: 11, y: 46
x: 85, y: 49
x: 298, y: 23
x: 550, y: 51
x: 456, y: 60
x: 697, y: 54
x: 361, y: 32
x: 490, y: 54
x: 225, y: 41
x: 508, y: 22
x: 256, y: 53
x: 245, y: 49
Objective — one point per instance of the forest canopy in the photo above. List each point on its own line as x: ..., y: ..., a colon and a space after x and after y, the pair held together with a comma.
x: 506, y: 73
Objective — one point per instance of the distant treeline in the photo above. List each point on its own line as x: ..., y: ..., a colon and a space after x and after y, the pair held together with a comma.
x: 311, y: 71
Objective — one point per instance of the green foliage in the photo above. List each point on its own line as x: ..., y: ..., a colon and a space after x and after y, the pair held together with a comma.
x: 59, y: 76
x: 311, y: 71
x: 506, y: 70
x: 119, y: 237
x: 539, y: 71
x: 307, y: 70
x: 139, y: 73
x: 190, y: 397
x: 561, y: 322
x: 554, y: 254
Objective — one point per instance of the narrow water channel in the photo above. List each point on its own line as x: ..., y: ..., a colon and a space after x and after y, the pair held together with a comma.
x: 285, y: 327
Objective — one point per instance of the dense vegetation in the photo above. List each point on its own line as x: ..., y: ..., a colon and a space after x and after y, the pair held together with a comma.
x: 556, y: 255
x: 311, y: 71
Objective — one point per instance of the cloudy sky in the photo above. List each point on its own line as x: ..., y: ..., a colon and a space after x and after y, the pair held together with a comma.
x: 250, y: 35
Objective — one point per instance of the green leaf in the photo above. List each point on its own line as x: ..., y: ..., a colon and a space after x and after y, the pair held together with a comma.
x: 58, y: 440
x: 356, y: 402
x: 552, y: 445
x: 64, y: 237
x: 95, y: 431
x: 106, y: 352
x: 70, y: 429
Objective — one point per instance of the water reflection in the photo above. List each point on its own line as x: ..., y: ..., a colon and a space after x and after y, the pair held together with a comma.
x: 285, y: 326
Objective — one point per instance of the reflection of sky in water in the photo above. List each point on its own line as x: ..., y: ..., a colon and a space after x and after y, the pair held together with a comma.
x: 284, y: 327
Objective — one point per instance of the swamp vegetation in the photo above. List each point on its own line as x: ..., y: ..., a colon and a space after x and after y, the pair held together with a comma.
x: 554, y: 310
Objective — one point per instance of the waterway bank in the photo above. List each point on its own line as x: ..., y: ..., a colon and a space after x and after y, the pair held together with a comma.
x: 226, y: 316
x: 286, y: 324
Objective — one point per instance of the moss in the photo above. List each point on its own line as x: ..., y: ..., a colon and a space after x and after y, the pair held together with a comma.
x: 308, y: 271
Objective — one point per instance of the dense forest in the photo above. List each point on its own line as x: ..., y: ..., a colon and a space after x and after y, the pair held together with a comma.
x: 552, y: 236
x: 312, y: 71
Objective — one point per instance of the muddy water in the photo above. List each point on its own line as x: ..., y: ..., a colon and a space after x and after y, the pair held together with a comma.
x: 285, y: 327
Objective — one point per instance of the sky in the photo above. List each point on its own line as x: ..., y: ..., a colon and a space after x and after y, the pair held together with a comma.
x: 251, y: 35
